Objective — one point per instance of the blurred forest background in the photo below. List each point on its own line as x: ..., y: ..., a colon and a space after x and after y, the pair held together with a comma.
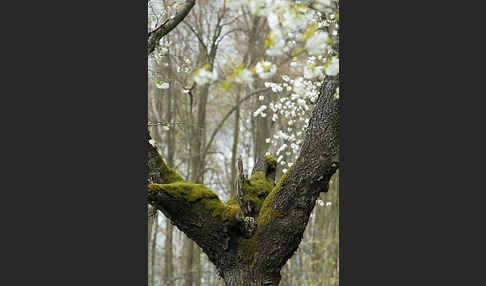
x: 239, y: 78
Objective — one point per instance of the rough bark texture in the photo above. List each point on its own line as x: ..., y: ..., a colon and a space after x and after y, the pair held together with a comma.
x: 281, y: 211
x: 157, y: 34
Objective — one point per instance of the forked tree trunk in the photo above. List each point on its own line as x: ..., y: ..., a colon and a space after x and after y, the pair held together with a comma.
x: 251, y: 237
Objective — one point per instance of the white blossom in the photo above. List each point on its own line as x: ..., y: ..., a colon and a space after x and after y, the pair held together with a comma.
x: 202, y: 76
x: 295, y: 21
x: 244, y: 76
x: 272, y: 20
x: 278, y: 46
x: 275, y: 86
x: 332, y: 69
x: 274, y: 117
x: 266, y: 69
x: 260, y: 111
x: 312, y: 72
x: 316, y: 44
x: 281, y: 148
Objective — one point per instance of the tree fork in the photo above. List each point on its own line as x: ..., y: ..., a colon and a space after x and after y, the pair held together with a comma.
x: 281, y: 211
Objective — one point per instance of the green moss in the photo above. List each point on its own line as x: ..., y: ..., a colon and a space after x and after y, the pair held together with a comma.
x: 232, y: 201
x: 255, y: 190
x: 188, y: 191
x: 246, y: 250
x: 271, y: 163
x: 267, y: 213
x: 168, y: 175
x: 200, y: 197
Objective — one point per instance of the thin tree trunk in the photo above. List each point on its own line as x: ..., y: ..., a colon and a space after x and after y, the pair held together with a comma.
x: 154, y: 250
x: 169, y: 268
x: 188, y: 254
x: 168, y: 274
x: 197, y: 265
x: 234, y: 151
x: 150, y: 224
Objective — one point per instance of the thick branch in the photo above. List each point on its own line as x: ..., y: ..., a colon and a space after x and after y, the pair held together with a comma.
x: 194, y: 209
x: 157, y: 34
x: 286, y: 210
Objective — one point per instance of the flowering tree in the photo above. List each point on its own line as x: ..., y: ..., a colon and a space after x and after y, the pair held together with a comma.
x: 250, y: 237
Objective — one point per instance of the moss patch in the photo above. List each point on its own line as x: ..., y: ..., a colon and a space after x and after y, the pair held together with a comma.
x: 271, y: 163
x: 267, y: 213
x: 200, y: 198
x: 255, y: 190
x: 168, y: 175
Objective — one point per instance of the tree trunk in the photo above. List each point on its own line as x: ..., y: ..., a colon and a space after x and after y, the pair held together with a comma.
x: 154, y: 250
x: 188, y: 255
x: 150, y: 223
x: 234, y: 151
x: 242, y: 276
x: 262, y: 130
x: 250, y: 238
x: 197, y: 265
x: 168, y: 274
x: 169, y: 268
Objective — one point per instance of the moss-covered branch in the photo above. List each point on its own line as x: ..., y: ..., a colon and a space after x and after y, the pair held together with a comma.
x: 193, y: 208
x: 158, y: 171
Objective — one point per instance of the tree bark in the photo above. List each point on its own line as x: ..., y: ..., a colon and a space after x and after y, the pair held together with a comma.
x: 157, y: 34
x: 281, y: 211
